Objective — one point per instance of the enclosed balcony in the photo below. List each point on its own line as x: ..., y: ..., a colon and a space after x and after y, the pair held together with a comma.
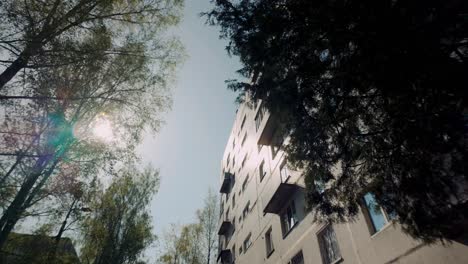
x: 227, y: 183
x: 225, y: 227
x: 224, y: 256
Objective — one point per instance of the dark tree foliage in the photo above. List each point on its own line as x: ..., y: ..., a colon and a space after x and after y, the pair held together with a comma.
x: 374, y: 94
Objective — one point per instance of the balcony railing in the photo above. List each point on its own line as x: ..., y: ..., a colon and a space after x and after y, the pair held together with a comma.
x: 224, y: 256
x: 280, y: 197
x: 227, y: 183
x: 279, y: 192
x: 225, y: 227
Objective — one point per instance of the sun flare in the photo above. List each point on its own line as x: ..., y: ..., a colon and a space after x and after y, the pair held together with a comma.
x: 102, y: 129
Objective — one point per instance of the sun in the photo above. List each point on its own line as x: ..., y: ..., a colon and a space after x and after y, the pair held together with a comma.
x: 102, y: 129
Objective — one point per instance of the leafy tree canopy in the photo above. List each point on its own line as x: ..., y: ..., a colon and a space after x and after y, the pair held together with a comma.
x: 34, y: 33
x: 373, y: 94
x: 119, y: 227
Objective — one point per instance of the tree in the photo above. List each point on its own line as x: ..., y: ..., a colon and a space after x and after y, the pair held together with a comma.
x: 51, y: 114
x: 194, y: 243
x: 182, y: 245
x: 72, y: 197
x: 119, y: 227
x: 34, y: 33
x: 208, y: 218
x: 373, y: 98
x: 171, y: 252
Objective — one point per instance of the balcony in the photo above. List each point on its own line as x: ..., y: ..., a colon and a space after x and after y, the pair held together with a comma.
x: 226, y: 225
x: 280, y: 197
x: 227, y: 183
x: 224, y: 256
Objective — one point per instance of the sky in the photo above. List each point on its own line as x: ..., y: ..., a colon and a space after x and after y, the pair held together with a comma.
x: 189, y: 148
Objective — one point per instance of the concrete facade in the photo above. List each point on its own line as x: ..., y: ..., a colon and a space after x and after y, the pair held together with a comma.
x: 257, y: 190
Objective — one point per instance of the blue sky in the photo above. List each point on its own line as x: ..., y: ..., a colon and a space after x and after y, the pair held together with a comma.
x: 189, y: 148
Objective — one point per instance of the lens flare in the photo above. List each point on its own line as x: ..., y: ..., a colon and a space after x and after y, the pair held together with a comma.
x: 102, y: 129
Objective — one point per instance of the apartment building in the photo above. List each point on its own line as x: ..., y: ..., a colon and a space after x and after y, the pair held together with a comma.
x: 263, y: 217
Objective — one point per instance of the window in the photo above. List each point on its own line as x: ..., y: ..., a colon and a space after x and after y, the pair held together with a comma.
x: 247, y: 242
x: 261, y: 170
x: 297, y: 259
x: 243, y: 161
x: 276, y: 142
x: 227, y: 160
x: 233, y: 143
x: 246, y: 210
x: 255, y: 104
x: 269, y: 243
x: 227, y: 215
x: 329, y: 245
x: 240, y: 250
x: 220, y: 243
x: 244, y: 184
x: 243, y: 122
x: 259, y: 117
x: 233, y: 200
x: 284, y: 172
x: 274, y: 150
x: 233, y: 162
x: 319, y: 185
x: 243, y: 140
x: 289, y: 218
x: 221, y: 210
x: 377, y: 216
x: 233, y: 253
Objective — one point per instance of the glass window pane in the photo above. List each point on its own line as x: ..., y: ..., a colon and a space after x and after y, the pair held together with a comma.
x: 269, y: 242
x: 298, y: 259
x: 329, y: 245
x: 375, y: 212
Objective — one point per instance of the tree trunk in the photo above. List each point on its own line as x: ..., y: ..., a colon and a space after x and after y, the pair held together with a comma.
x: 20, y: 62
x: 11, y: 215
x: 53, y: 251
x: 17, y: 206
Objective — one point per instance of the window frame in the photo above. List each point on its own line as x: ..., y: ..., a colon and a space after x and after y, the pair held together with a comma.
x: 284, y: 169
x: 244, y: 139
x: 324, y: 249
x: 246, y: 210
x: 277, y: 142
x: 269, y: 244
x: 371, y: 222
x: 243, y: 122
x: 233, y: 201
x: 288, y: 226
x: 247, y: 242
x: 233, y: 252
x: 245, y: 183
x: 259, y: 116
x: 261, y: 170
x: 299, y: 256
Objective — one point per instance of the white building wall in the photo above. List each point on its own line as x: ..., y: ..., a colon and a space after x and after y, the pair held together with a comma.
x: 356, y: 243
